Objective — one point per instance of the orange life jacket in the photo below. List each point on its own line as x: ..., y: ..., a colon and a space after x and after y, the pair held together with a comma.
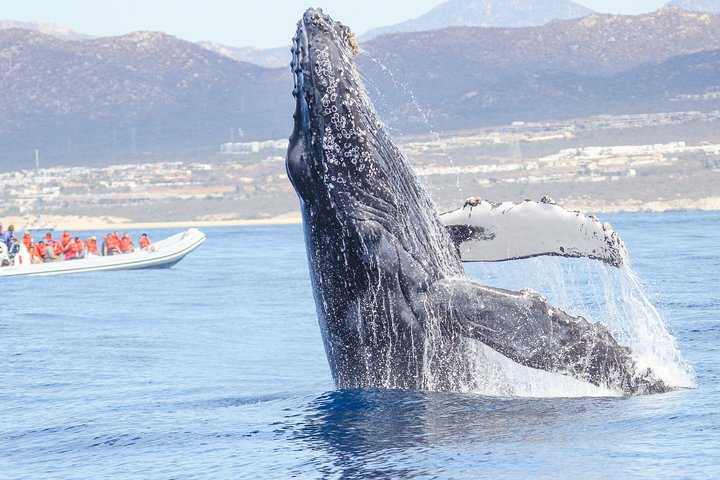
x: 126, y: 244
x: 112, y: 242
x: 65, y: 239
x: 144, y: 242
x: 91, y: 245
x: 72, y: 249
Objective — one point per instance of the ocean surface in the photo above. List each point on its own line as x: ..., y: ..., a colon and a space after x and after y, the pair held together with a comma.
x: 215, y: 369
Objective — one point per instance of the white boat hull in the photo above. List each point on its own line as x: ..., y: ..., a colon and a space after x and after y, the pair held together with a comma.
x: 162, y: 254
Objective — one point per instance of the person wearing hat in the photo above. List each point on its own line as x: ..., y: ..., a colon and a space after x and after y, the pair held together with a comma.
x: 91, y: 246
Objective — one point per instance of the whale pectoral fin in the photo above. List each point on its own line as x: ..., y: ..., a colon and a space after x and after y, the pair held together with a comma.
x: 523, y: 327
x: 489, y: 232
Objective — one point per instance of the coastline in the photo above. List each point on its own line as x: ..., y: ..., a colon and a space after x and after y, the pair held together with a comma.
x: 83, y: 223
x: 595, y: 206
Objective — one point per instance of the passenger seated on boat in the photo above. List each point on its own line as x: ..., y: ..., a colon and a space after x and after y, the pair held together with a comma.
x: 80, y: 246
x: 14, y: 248
x: 126, y: 243
x: 48, y: 237
x: 41, y: 250
x: 91, y: 246
x: 49, y: 251
x: 34, y: 254
x: 144, y: 241
x: 73, y: 250
x: 66, y: 238
x: 27, y: 240
x: 57, y: 250
x: 111, y: 245
x: 7, y: 235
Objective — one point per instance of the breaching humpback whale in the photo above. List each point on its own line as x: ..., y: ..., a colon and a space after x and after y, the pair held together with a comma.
x: 394, y: 305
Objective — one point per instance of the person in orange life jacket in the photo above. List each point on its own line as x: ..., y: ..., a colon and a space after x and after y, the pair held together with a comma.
x: 34, y: 254
x: 27, y: 240
x: 116, y: 240
x: 111, y: 245
x: 54, y: 250
x: 41, y: 250
x: 126, y: 243
x: 91, y: 246
x: 65, y: 239
x: 144, y: 241
x: 80, y: 246
x: 48, y: 237
x: 72, y: 250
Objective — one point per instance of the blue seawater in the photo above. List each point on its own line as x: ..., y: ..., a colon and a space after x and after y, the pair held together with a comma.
x: 215, y: 369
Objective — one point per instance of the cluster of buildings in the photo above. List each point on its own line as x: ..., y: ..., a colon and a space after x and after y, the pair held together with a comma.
x: 254, y: 171
x: 584, y: 164
x: 69, y: 190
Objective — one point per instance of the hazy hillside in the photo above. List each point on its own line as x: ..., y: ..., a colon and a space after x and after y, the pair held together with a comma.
x: 150, y: 96
x: 684, y: 83
x: 487, y: 13
x: 267, y: 57
x: 141, y: 92
x: 470, y: 75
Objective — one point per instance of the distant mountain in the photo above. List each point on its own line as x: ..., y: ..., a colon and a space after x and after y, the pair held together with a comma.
x: 146, y: 96
x: 444, y: 68
x: 712, y: 6
x: 126, y: 96
x: 57, y: 31
x: 268, y: 58
x: 487, y: 13
x: 683, y: 83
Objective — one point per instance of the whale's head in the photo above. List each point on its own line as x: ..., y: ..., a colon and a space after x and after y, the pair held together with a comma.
x: 328, y: 107
x: 374, y: 241
x: 341, y: 161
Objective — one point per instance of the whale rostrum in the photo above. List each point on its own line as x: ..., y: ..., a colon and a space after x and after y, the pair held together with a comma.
x: 394, y: 306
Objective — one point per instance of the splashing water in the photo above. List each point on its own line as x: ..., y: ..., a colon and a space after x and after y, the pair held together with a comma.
x: 600, y: 293
x: 420, y: 233
x: 612, y: 296
x: 380, y: 99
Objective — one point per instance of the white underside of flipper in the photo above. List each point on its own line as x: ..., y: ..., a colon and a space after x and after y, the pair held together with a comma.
x: 488, y: 232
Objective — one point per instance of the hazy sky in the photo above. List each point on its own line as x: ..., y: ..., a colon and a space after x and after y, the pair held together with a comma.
x: 239, y: 23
